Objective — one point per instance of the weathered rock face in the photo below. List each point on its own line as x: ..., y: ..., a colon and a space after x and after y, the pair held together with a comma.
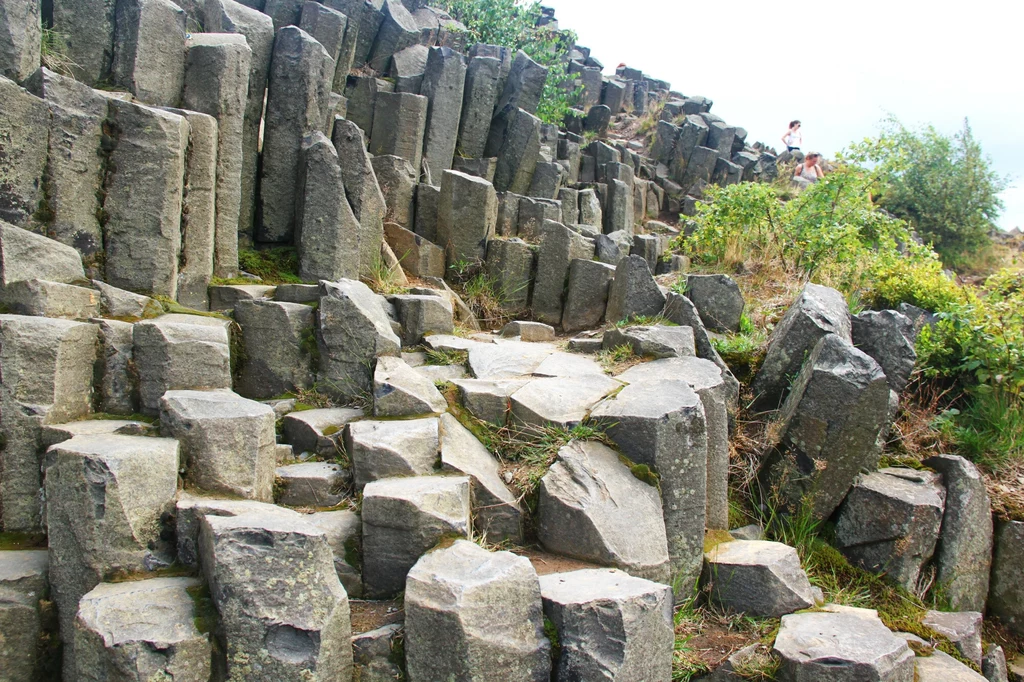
x: 382, y: 449
x: 105, y: 496
x: 964, y: 553
x: 657, y: 341
x: 559, y: 246
x: 354, y: 331
x: 451, y: 598
x: 761, y: 579
x: 23, y: 585
x: 587, y: 294
x: 25, y: 121
x: 818, y: 311
x: 718, y: 301
x: 141, y: 630
x: 422, y: 315
x: 591, y: 507
x: 661, y: 424
x: 25, y: 255
x: 819, y: 646
x: 888, y: 337
x: 830, y: 424
x: 311, y: 484
x: 962, y: 628
x: 560, y: 400
x: 890, y: 522
x: 149, y: 52
x: 1006, y: 596
x: 400, y: 391
x: 467, y: 214
x: 402, y: 519
x: 299, y: 630
x: 633, y: 292
x: 277, y: 337
x: 362, y: 190
x: 399, y: 120
x: 611, y: 626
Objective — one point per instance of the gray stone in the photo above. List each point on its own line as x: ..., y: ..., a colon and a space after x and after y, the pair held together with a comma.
x: 819, y: 646
x: 505, y: 360
x: 399, y: 124
x: 585, y: 344
x: 535, y: 332
x: 326, y: 230
x: 318, y: 431
x: 941, y: 667
x: 373, y: 653
x: 427, y: 199
x: 757, y: 578
x: 149, y: 50
x: 24, y: 127
x: 118, y: 384
x: 482, y: 168
x: 354, y: 331
x: 365, y: 17
x: 217, y: 69
x: 888, y: 337
x: 633, y: 292
x: 1005, y: 597
x: 611, y: 626
x: 258, y: 29
x: 680, y: 309
x: 361, y: 92
x: 227, y: 441
x: 466, y: 217
x: 74, y: 172
x: 343, y: 531
x: 443, y: 84
x: 419, y: 256
x: 508, y: 214
x: 547, y: 180
x: 23, y: 588
x: 144, y: 198
x: 718, y: 301
x: 487, y: 399
x: 533, y: 213
x: 587, y: 294
x: 558, y: 248
x: 709, y: 383
x: 385, y: 449
x: 47, y: 378
x: 402, y: 519
x: 399, y: 391
x: 570, y: 200
x: 497, y: 515
x: 515, y: 142
x: 105, y: 496
x: 693, y: 133
x: 816, y: 312
x: 749, y: 532
x: 483, y: 77
x: 301, y: 75
x: 277, y: 338
x: 590, y: 208
x: 592, y: 508
x: 524, y: 84
x: 311, y: 484
x: 452, y: 596
x: 299, y: 632
x: 176, y: 352
x: 649, y: 247
x: 116, y: 302
x: 561, y: 400
x: 963, y: 629
x: 657, y: 341
x: 363, y: 191
x: 141, y: 630
x: 50, y: 299
x: 423, y: 315
x: 963, y: 557
x: 510, y: 268
x: 661, y: 424
x: 890, y: 522
x: 597, y: 121
x: 297, y: 293
x: 613, y: 247
x: 397, y: 181
x: 327, y: 26
x: 227, y: 296
x: 829, y: 427
x: 407, y: 67
x: 619, y: 214
x: 993, y: 666
x: 89, y: 27
x: 283, y: 12
x: 398, y: 30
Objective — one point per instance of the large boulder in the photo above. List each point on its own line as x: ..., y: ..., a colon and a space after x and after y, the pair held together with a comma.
x: 963, y: 558
x: 25, y: 255
x: 452, y: 628
x: 817, y: 312
x: 318, y: 431
x: 354, y: 331
x: 274, y: 630
x: 311, y: 484
x: 467, y: 214
x: 888, y: 337
x: 141, y: 630
x: 662, y: 425
x: 718, y: 301
x: 962, y: 628
x: 399, y: 120
x: 610, y: 625
x: 591, y: 507
x: 402, y: 519
x: 149, y: 50
x: 830, y: 423
x: 848, y: 645
x: 278, y: 338
x: 757, y: 578
x: 586, y: 295
x: 106, y: 498
x: 890, y: 523
x: 382, y: 449
x: 20, y: 39
x: 658, y: 341
x: 634, y: 292
x: 443, y: 84
x: 362, y: 191
x: 23, y: 589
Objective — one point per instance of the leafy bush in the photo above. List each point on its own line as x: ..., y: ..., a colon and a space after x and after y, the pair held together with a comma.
x: 944, y: 187
x: 513, y: 24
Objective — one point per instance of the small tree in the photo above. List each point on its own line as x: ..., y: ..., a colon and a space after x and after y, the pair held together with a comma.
x: 944, y: 187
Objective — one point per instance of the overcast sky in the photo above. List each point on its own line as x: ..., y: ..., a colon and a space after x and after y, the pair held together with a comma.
x: 837, y: 66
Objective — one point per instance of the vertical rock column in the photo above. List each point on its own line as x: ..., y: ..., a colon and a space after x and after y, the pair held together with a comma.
x: 149, y: 52
x: 24, y: 129
x: 483, y: 76
x: 20, y: 38
x: 467, y: 214
x: 297, y: 101
x: 217, y: 68
x: 361, y: 190
x: 443, y: 85
x: 399, y: 122
x: 89, y: 27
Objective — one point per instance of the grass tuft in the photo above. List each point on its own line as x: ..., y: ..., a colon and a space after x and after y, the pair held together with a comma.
x: 447, y: 356
x: 279, y: 265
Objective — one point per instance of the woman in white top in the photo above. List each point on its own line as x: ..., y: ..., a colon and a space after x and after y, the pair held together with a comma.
x: 809, y: 170
x: 793, y: 138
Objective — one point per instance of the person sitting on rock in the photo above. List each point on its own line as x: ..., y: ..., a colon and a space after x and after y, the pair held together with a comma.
x: 810, y: 170
x: 793, y: 137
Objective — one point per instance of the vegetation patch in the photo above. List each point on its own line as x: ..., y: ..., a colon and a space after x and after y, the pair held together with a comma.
x: 279, y: 265
x: 446, y: 356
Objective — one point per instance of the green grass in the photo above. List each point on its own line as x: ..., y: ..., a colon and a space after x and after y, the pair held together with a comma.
x: 13, y: 541
x: 273, y: 266
x: 989, y: 430
x: 645, y: 321
x: 54, y: 52
x: 446, y: 356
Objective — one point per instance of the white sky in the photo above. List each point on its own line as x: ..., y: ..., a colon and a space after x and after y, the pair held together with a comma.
x: 839, y: 67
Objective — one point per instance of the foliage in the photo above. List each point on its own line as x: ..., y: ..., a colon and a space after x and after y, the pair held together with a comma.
x: 54, y: 52
x: 273, y: 266
x: 944, y: 187
x: 484, y: 299
x: 446, y: 356
x: 385, y: 279
x: 513, y: 24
